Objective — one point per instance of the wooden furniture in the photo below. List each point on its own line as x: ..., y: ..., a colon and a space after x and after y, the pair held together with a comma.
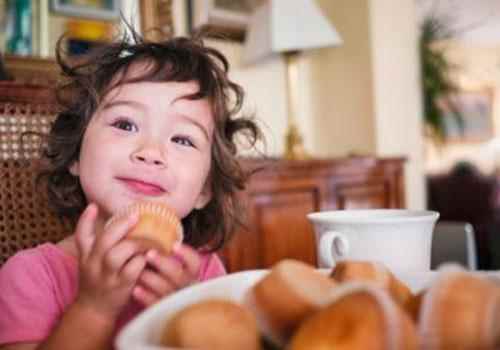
x: 279, y: 197
x: 32, y: 71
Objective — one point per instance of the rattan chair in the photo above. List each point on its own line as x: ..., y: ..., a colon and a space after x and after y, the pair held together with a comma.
x: 25, y: 219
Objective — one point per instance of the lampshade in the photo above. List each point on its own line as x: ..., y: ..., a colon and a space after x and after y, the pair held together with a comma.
x: 287, y: 25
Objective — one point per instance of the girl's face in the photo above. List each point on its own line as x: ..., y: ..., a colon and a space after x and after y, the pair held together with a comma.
x: 146, y: 142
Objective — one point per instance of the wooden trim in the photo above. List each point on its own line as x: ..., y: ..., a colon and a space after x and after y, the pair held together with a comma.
x: 32, y: 70
x: 20, y: 92
x: 156, y: 19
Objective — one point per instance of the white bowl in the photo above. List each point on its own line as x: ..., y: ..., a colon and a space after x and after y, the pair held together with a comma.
x: 144, y: 332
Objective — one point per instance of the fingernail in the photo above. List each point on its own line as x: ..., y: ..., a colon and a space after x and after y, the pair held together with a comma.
x: 151, y: 254
x: 176, y: 248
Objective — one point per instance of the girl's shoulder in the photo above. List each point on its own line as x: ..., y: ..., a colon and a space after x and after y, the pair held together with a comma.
x: 37, y: 285
x: 43, y: 254
x: 45, y: 264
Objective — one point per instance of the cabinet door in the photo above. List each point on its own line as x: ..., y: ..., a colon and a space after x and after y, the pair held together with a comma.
x: 362, y: 196
x: 279, y: 229
x: 369, y: 192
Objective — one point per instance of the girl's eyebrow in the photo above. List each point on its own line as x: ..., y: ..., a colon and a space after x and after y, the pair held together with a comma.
x: 196, y: 123
x: 132, y: 104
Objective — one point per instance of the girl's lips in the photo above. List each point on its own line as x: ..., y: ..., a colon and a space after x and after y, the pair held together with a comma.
x: 143, y: 187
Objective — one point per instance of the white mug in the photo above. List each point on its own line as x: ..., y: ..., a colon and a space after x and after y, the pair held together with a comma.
x: 399, y: 238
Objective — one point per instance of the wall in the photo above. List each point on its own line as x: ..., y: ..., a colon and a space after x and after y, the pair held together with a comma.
x: 477, y: 67
x: 366, y: 93
x: 341, y: 83
x: 397, y: 92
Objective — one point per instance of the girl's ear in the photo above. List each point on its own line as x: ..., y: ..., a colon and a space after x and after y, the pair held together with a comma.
x: 74, y: 168
x: 204, y: 197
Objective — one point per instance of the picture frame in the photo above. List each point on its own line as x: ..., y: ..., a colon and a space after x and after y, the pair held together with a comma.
x: 476, y: 109
x: 97, y: 10
x: 225, y: 19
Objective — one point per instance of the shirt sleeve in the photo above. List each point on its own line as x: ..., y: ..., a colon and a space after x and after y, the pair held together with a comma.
x: 212, y: 267
x: 28, y: 308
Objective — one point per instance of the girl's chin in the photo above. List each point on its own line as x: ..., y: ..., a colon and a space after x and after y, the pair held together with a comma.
x: 105, y: 213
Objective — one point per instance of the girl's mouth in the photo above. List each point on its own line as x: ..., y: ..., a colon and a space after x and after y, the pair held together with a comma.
x: 142, y: 187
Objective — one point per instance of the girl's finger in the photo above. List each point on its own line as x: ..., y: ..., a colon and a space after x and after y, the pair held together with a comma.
x: 144, y: 296
x: 85, y: 231
x: 169, y: 267
x: 155, y: 282
x: 190, y: 259
x: 132, y: 270
x: 113, y: 234
x: 116, y: 258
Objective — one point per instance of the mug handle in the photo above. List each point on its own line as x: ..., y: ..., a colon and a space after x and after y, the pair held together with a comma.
x: 333, y: 245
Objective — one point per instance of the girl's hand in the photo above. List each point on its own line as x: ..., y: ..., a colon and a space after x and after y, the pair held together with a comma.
x: 109, y: 265
x: 167, y: 274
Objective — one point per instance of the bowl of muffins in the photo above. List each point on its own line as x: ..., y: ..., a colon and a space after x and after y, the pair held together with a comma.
x: 355, y: 305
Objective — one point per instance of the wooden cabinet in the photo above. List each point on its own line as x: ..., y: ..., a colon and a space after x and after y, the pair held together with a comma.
x: 280, y: 195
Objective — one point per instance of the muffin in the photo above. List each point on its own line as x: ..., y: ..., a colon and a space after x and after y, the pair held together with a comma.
x: 291, y: 291
x: 374, y: 272
x: 461, y: 310
x: 413, y: 305
x: 359, y: 316
x: 213, y: 325
x: 158, y: 226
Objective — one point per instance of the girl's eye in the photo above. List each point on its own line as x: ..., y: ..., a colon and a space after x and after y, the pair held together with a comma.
x: 183, y: 141
x: 125, y: 125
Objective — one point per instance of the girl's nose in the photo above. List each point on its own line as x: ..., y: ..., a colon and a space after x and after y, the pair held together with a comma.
x: 150, y: 154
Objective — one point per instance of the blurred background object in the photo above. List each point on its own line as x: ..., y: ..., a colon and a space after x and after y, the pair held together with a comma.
x: 18, y: 27
x: 465, y: 194
x: 95, y: 9
x: 226, y: 19
x: 156, y: 19
x: 85, y: 35
x: 4, y: 75
x: 454, y: 242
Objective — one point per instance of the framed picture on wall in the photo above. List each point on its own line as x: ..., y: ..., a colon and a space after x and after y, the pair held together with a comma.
x: 226, y: 19
x: 90, y: 9
x: 476, y: 108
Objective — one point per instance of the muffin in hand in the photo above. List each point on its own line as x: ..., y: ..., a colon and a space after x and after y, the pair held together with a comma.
x: 158, y: 226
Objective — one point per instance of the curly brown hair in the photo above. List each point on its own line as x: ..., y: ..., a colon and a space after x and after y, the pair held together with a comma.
x: 178, y: 59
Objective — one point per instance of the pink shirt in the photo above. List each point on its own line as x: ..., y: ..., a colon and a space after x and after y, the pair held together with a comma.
x: 37, y: 285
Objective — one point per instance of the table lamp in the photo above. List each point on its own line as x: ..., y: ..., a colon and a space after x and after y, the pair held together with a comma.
x: 288, y: 27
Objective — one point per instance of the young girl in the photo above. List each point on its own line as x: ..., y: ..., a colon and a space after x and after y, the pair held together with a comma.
x: 139, y: 121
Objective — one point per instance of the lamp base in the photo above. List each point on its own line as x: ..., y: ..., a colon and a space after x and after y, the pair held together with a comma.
x: 294, y: 145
